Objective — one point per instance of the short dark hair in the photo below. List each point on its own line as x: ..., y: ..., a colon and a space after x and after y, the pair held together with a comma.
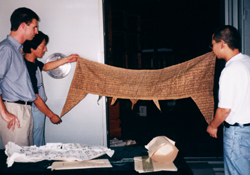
x: 21, y: 15
x: 37, y: 40
x: 229, y: 35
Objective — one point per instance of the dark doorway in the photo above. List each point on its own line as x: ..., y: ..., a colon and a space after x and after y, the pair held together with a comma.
x: 153, y: 34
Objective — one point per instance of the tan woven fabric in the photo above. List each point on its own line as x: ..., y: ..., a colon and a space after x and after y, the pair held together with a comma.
x: 193, y: 78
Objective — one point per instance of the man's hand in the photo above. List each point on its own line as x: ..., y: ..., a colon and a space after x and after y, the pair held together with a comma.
x: 220, y: 116
x: 11, y: 119
x: 72, y: 58
x: 212, y: 131
x: 55, y: 119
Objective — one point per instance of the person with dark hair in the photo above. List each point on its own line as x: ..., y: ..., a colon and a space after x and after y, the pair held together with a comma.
x: 234, y: 101
x: 21, y: 15
x: 16, y: 92
x: 35, y: 49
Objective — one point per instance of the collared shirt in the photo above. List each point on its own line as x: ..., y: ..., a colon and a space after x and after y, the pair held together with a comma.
x: 234, y: 89
x: 15, y: 82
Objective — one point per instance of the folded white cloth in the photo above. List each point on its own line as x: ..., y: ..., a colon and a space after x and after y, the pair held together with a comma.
x: 54, y: 151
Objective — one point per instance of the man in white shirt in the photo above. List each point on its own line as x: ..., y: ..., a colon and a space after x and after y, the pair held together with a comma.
x: 234, y: 101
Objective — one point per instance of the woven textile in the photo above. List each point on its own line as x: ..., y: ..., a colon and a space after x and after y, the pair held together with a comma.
x: 193, y: 78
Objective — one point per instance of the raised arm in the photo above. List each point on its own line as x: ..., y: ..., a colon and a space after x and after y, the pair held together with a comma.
x: 44, y: 109
x: 54, y: 64
x: 9, y: 118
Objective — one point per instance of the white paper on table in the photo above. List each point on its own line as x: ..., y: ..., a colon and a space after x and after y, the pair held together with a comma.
x: 54, y: 151
x: 98, y: 163
x: 156, y: 166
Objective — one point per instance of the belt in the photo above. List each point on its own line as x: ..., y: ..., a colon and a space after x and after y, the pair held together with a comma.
x: 20, y: 102
x: 227, y: 125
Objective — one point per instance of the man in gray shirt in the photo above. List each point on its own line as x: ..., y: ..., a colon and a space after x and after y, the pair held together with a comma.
x: 16, y: 92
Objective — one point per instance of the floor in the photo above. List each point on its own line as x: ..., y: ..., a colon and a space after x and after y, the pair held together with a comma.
x: 206, y: 165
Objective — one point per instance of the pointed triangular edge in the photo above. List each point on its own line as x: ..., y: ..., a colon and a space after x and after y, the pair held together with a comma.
x: 205, y: 105
x: 70, y: 103
x: 156, y: 101
x: 133, y: 101
x: 113, y: 100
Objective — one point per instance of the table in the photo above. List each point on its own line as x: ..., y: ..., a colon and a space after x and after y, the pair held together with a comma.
x: 122, y: 162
